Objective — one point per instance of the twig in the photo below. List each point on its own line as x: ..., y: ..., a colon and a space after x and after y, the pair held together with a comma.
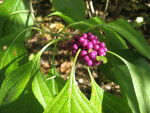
x: 88, y: 9
x: 106, y: 7
x: 32, y: 13
x: 92, y: 8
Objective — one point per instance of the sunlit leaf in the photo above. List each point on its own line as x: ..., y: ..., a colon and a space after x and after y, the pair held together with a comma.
x: 114, y: 40
x: 70, y: 99
x: 11, y: 23
x: 137, y: 95
x: 14, y: 84
x: 135, y: 38
x: 39, y: 86
x: 104, y: 59
x: 54, y: 81
x: 35, y: 76
x: 106, y: 102
x: 12, y: 35
x: 14, y: 54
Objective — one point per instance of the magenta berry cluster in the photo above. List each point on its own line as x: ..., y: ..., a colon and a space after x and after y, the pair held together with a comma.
x: 90, y: 48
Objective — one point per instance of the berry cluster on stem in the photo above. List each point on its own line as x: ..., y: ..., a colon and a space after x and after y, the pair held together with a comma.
x: 90, y: 48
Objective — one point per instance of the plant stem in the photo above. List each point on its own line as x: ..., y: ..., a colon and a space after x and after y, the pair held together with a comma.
x: 43, y: 49
x: 32, y: 13
x: 76, y: 23
x: 106, y: 7
x: 90, y: 73
x: 53, y: 63
x: 92, y: 8
x: 76, y: 58
x: 23, y: 11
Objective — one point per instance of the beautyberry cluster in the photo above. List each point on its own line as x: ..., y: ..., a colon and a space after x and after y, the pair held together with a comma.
x: 90, y: 48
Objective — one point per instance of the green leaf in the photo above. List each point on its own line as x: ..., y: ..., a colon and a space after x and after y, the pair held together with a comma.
x: 115, y: 41
x: 22, y: 76
x: 55, y: 84
x: 12, y: 35
x: 10, y: 22
x: 70, y: 99
x: 135, y: 38
x: 106, y: 102
x: 15, y: 83
x: 123, y: 78
x: 26, y: 103
x: 104, y: 59
x: 66, y: 18
x: 108, y: 70
x: 13, y: 53
x: 140, y: 79
x: 39, y: 87
x: 74, y: 9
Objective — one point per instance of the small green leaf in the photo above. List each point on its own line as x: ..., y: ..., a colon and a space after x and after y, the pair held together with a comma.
x: 104, y: 59
x: 90, y: 50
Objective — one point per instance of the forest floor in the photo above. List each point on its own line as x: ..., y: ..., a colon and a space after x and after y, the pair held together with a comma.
x: 128, y: 10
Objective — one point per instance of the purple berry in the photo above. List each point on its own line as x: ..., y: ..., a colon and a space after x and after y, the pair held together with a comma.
x: 84, y: 44
x: 96, y: 38
x: 92, y: 55
x: 63, y: 46
x: 96, y: 53
x: 84, y: 35
x: 86, y: 58
x: 75, y: 36
x: 89, y: 45
x: 79, y: 44
x: 96, y: 47
x: 90, y: 63
x: 91, y: 37
x: 98, y: 42
x: 45, y: 38
x: 75, y: 46
x: 84, y: 48
x: 102, y: 44
x: 81, y: 39
x: 83, y: 52
x: 101, y: 51
x: 72, y: 41
x: 105, y: 49
x: 98, y: 63
x: 74, y: 52
x: 104, y: 54
x: 94, y: 41
x: 89, y: 33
